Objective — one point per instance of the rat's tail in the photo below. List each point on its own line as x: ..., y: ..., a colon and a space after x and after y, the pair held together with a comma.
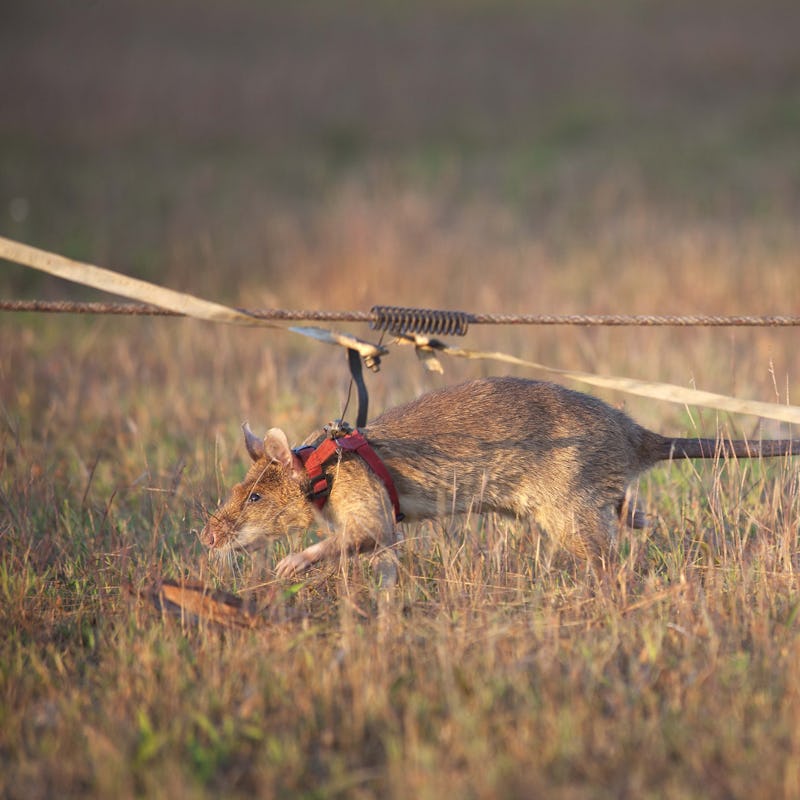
x: 667, y: 448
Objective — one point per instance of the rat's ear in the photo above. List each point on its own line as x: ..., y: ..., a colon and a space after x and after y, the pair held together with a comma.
x: 254, y: 445
x: 276, y: 447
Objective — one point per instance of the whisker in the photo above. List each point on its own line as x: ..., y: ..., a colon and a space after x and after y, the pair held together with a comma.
x: 236, y: 537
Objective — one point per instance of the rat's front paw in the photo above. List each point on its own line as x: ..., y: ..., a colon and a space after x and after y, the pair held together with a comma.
x: 293, y: 564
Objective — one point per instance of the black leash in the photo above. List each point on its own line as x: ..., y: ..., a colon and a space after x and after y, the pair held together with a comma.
x: 354, y: 360
x: 399, y: 321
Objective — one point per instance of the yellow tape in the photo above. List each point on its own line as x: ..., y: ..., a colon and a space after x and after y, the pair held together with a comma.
x: 123, y: 285
x: 114, y: 282
x: 182, y: 303
x: 659, y: 391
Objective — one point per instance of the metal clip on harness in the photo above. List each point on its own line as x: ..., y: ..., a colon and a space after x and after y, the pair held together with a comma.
x: 398, y: 320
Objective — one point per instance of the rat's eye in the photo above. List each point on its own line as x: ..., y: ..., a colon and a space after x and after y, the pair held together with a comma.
x: 254, y: 498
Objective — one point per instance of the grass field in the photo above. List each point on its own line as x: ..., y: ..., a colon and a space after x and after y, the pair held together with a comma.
x: 508, y: 157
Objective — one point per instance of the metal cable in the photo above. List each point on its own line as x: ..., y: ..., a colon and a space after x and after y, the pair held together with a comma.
x: 673, y: 320
x: 143, y: 309
x: 420, y: 320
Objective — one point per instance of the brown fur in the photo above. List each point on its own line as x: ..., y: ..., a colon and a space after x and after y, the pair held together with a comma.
x: 524, y: 448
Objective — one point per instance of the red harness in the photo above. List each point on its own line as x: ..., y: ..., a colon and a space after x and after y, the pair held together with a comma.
x: 315, y: 458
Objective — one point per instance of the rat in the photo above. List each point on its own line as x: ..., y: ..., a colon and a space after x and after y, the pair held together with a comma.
x: 523, y: 448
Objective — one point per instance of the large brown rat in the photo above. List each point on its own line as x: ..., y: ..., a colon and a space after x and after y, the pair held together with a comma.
x: 528, y: 449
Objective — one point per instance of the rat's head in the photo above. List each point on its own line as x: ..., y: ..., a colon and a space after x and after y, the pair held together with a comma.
x: 268, y: 503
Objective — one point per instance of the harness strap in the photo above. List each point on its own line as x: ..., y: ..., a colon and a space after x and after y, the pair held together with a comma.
x: 315, y: 458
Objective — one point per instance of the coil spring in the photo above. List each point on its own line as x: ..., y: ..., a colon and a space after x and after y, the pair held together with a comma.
x: 399, y: 320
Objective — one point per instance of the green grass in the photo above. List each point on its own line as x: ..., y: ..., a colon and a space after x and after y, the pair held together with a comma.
x: 526, y: 158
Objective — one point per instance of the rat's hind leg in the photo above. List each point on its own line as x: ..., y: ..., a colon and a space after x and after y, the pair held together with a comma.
x: 629, y: 513
x: 588, y: 532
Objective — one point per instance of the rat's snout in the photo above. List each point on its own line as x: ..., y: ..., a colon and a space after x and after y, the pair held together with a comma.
x: 208, y: 536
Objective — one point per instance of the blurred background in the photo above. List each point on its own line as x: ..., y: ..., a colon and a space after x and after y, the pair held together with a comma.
x: 552, y: 157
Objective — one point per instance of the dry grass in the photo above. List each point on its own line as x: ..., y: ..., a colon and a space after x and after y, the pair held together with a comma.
x: 497, y: 672
x: 499, y: 669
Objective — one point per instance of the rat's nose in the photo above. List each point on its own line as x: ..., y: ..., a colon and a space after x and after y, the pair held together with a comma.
x: 208, y: 537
